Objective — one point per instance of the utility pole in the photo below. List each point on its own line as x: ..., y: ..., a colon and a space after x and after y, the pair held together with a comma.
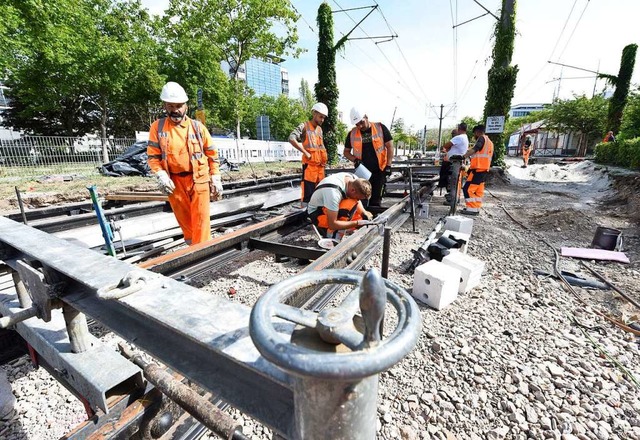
x: 424, y: 139
x: 393, y: 117
x: 595, y: 82
x: 440, y: 131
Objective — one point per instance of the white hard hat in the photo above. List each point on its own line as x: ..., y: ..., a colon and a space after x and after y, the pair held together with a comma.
x: 174, y: 93
x: 321, y: 108
x: 356, y: 116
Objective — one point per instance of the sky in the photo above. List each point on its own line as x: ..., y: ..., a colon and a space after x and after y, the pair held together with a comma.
x: 430, y: 63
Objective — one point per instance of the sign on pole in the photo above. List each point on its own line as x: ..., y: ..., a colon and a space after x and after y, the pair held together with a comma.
x: 495, y: 124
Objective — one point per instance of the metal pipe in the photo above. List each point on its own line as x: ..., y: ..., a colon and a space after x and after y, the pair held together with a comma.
x: 201, y: 409
x: 77, y: 329
x: 386, y: 250
x: 21, y: 290
x: 24, y: 215
x: 412, y: 200
x: 14, y: 318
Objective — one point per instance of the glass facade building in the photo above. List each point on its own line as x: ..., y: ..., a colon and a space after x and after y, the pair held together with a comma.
x: 266, y: 78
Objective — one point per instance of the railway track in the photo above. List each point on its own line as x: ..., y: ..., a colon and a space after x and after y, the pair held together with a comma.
x: 255, y: 225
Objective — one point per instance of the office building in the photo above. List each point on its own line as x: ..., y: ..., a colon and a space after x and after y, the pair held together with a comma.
x: 520, y: 110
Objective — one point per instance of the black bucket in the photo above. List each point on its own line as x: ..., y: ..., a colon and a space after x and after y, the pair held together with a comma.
x: 605, y: 238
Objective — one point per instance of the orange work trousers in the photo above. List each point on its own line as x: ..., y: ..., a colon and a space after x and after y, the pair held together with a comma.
x: 525, y: 156
x: 474, y: 190
x: 190, y: 204
x: 347, y: 210
x: 311, y: 176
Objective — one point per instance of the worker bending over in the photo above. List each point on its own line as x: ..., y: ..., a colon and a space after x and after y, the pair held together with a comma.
x: 307, y: 138
x: 182, y: 155
x: 336, y: 204
x: 370, y: 143
x: 481, y: 154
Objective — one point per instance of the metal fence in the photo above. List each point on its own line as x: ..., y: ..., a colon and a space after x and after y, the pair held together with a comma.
x: 32, y: 156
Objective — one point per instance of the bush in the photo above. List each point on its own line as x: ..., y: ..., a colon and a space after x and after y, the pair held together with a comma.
x: 625, y: 153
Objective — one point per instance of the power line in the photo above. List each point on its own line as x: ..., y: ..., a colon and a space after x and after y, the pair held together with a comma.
x: 303, y: 19
x: 574, y: 29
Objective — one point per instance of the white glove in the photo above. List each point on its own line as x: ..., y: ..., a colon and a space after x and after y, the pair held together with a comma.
x: 166, y: 184
x: 216, y: 187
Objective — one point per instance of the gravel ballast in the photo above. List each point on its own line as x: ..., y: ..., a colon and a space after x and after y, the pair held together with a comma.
x: 518, y: 357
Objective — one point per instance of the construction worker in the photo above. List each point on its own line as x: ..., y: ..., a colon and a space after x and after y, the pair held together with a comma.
x: 481, y: 154
x: 445, y: 167
x: 372, y: 146
x: 336, y: 204
x: 307, y: 138
x: 456, y: 148
x: 609, y: 137
x: 526, y: 151
x: 185, y: 161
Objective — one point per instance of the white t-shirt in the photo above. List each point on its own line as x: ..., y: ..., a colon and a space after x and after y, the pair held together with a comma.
x: 329, y: 198
x: 460, y: 145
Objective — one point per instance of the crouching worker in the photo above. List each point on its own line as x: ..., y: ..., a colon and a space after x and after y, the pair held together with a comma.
x: 335, y: 204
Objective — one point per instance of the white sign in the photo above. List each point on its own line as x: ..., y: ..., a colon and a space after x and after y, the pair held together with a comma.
x: 495, y: 124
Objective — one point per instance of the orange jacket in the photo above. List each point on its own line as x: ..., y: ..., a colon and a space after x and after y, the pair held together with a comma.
x: 377, y: 140
x: 184, y: 147
x: 481, y: 160
x: 314, y: 144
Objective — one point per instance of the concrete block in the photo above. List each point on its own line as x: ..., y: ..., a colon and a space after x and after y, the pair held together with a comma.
x: 436, y: 284
x: 459, y: 223
x: 458, y: 236
x: 470, y: 269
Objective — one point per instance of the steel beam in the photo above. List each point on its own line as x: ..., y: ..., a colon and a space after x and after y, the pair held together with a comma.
x: 93, y: 373
x: 287, y: 250
x: 202, y: 336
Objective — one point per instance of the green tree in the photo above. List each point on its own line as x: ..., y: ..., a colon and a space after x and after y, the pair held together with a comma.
x: 622, y: 83
x: 12, y: 39
x: 327, y: 88
x: 471, y: 122
x: 630, y: 127
x: 306, y: 95
x: 582, y: 115
x: 236, y: 30
x: 502, y: 76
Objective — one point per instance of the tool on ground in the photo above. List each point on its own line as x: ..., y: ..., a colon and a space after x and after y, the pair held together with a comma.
x: 107, y: 233
x: 574, y: 279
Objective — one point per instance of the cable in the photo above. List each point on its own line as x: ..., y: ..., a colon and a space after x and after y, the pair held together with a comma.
x: 303, y: 19
x: 526, y: 87
x: 574, y: 30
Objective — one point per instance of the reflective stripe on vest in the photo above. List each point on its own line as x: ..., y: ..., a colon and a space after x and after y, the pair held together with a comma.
x: 377, y: 139
x: 313, y: 137
x: 481, y: 160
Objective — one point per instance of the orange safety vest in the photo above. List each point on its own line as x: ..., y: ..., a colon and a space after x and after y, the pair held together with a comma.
x: 481, y: 160
x: 376, y: 138
x: 199, y: 163
x: 347, y: 210
x: 314, y: 144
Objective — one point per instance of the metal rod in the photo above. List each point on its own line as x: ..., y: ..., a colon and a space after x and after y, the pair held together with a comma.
x: 610, y: 284
x: 386, y: 251
x: 14, y: 318
x: 77, y: 329
x: 201, y: 409
x: 412, y: 200
x: 21, y: 205
x: 469, y: 21
x: 21, y: 290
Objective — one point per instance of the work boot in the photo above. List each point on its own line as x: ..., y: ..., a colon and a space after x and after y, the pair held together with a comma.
x: 447, y: 203
x: 467, y: 212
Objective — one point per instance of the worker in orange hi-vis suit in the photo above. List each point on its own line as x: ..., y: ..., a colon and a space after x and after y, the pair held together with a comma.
x: 183, y: 157
x: 526, y: 151
x: 481, y: 155
x: 307, y: 138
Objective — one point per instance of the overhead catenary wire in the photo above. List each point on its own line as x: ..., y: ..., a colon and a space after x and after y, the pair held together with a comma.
x: 574, y: 29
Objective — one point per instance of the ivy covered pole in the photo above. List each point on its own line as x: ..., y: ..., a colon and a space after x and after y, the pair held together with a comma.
x: 327, y: 88
x: 502, y: 76
x: 622, y: 83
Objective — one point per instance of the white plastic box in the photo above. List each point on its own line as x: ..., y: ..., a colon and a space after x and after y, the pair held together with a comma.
x: 458, y: 236
x: 459, y: 223
x: 470, y: 268
x: 436, y: 284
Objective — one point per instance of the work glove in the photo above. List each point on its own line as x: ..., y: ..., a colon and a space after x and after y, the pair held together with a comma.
x: 387, y: 170
x: 164, y: 181
x: 215, y: 185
